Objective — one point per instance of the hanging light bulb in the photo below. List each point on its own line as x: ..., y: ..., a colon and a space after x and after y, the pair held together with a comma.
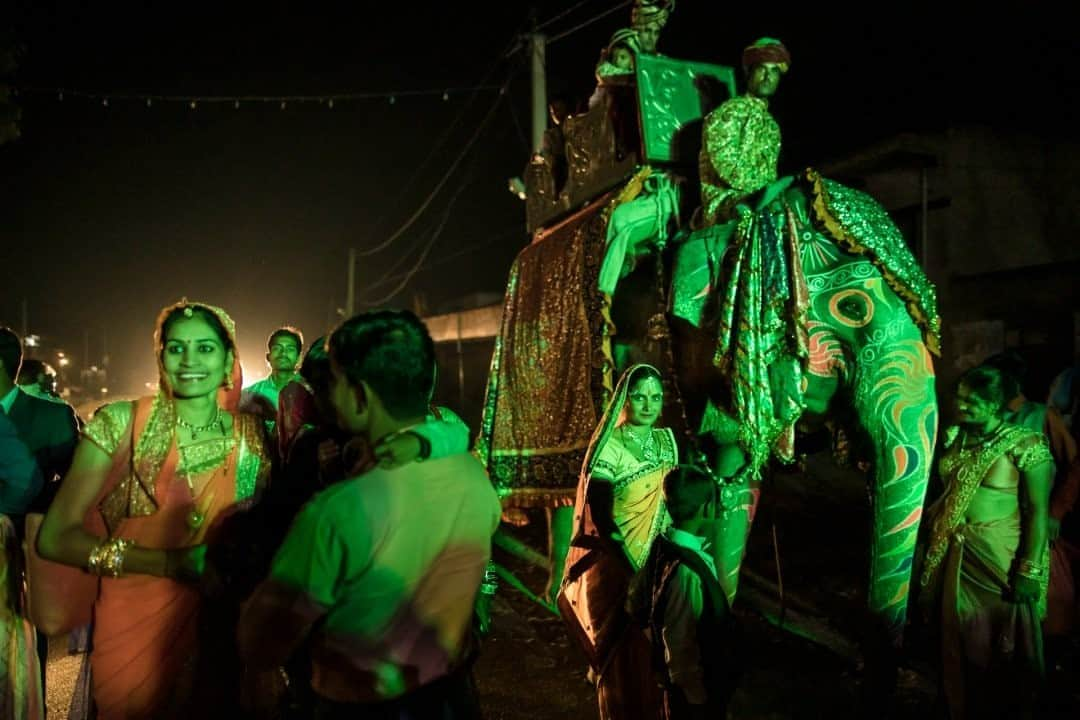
x: 282, y: 104
x: 60, y: 96
x: 330, y: 103
x: 149, y: 102
x: 193, y: 104
x: 393, y: 99
x: 105, y: 102
x: 236, y: 104
x: 445, y: 96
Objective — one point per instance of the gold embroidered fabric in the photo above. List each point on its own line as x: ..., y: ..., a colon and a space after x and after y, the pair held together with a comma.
x: 253, y: 462
x: 204, y: 456
x: 107, y: 426
x: 963, y: 470
x: 1034, y: 455
x: 546, y: 386
x: 740, y: 150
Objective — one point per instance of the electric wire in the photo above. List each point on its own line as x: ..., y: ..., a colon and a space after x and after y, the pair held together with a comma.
x: 559, y: 16
x: 435, y: 235
x: 508, y: 232
x: 588, y: 22
x: 438, y: 145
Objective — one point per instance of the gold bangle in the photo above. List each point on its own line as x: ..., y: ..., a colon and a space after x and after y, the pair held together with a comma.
x: 1032, y: 570
x: 107, y: 559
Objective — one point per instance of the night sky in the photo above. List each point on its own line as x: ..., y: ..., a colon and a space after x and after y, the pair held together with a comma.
x: 109, y: 213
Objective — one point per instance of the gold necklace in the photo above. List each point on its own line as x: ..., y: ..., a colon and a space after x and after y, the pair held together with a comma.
x: 196, y: 429
x: 647, y: 445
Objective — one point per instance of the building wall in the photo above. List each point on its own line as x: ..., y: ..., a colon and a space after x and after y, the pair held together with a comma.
x: 1000, y: 240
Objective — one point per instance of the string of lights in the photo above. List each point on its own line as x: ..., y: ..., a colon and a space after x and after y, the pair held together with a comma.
x: 328, y: 100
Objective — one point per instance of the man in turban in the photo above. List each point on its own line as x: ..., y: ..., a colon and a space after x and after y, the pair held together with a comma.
x: 741, y: 141
x: 647, y: 19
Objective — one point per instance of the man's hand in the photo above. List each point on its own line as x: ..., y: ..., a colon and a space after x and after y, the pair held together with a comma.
x: 402, y: 448
x: 329, y: 455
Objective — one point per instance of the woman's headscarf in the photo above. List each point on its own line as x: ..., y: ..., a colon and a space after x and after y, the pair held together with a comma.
x: 229, y: 395
x: 134, y: 495
x: 614, y: 416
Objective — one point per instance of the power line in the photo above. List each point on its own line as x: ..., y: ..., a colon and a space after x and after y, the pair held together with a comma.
x: 446, y: 176
x: 409, y: 274
x: 563, y: 14
x: 447, y: 131
x: 588, y: 22
x: 515, y: 230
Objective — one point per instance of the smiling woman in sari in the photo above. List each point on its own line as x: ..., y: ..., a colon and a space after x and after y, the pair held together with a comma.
x: 151, y: 483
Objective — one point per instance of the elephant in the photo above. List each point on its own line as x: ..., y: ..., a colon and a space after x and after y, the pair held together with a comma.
x: 770, y: 323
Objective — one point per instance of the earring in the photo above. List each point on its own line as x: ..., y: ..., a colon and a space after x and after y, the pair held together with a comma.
x: 228, y: 382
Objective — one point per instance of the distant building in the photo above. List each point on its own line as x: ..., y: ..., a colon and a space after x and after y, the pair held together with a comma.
x: 993, y: 217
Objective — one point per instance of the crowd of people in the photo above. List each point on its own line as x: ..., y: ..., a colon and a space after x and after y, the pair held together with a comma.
x: 309, y: 566
x: 318, y: 544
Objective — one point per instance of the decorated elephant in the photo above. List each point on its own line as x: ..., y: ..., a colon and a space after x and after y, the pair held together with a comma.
x: 803, y: 294
x: 815, y: 298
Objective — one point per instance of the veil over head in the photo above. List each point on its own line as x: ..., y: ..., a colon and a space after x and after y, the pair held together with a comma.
x: 134, y: 495
x: 614, y: 416
x: 229, y: 394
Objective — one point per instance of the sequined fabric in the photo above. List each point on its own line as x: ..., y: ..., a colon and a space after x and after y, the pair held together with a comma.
x: 740, y: 149
x: 761, y: 338
x: 550, y: 367
x: 107, y: 426
x: 252, y: 464
x: 860, y: 225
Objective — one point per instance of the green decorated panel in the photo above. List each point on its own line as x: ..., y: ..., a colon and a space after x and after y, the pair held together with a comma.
x: 673, y: 97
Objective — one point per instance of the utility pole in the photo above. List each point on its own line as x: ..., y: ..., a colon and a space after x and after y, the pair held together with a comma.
x: 537, y: 51
x: 350, y: 289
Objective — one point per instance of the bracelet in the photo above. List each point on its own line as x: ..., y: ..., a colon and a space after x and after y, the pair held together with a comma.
x: 107, y: 559
x: 425, y: 445
x: 1032, y: 570
x: 490, y: 583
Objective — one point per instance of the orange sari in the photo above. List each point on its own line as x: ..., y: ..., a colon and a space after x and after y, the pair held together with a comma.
x: 146, y: 639
x: 149, y: 658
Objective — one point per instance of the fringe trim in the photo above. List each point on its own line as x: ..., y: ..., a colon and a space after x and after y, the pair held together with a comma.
x: 824, y: 215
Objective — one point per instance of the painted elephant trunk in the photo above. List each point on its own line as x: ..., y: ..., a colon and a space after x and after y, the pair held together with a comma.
x: 891, y: 397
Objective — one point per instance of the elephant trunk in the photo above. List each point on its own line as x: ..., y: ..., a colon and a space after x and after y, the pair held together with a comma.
x: 894, y: 396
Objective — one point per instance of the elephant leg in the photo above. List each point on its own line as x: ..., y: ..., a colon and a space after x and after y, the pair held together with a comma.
x: 728, y: 537
x: 894, y: 397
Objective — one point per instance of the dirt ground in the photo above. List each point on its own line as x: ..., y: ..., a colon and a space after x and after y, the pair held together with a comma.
x: 528, y: 669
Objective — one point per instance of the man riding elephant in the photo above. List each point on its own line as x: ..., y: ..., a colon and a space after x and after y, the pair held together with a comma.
x: 741, y: 140
x: 796, y: 287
